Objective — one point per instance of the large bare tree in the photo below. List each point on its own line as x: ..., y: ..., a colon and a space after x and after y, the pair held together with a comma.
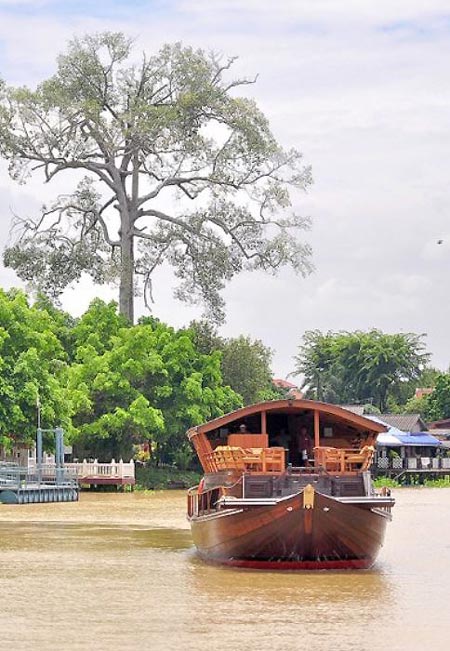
x: 171, y: 165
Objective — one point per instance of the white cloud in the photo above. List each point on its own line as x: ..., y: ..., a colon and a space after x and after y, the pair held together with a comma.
x: 362, y: 89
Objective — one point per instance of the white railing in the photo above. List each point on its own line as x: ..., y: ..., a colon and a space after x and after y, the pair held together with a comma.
x: 92, y: 469
x: 413, y: 463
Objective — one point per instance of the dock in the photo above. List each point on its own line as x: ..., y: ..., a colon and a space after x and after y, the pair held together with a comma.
x: 94, y: 473
x: 19, y: 485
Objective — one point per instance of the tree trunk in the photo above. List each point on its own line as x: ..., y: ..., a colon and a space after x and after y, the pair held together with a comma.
x: 126, y: 290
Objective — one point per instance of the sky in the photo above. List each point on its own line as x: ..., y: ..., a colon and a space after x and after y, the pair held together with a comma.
x: 362, y: 89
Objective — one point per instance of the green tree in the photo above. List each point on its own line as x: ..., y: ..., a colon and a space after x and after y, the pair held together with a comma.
x: 152, y: 139
x: 403, y: 393
x: 144, y: 383
x: 246, y: 369
x: 205, y: 336
x: 439, y: 401
x: 33, y: 364
x: 359, y: 366
x: 246, y: 363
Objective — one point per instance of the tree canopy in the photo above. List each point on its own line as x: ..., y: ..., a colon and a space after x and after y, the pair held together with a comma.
x: 111, y: 385
x: 359, y: 366
x: 438, y: 402
x: 175, y: 168
x: 245, y: 362
x: 33, y: 367
x: 142, y: 383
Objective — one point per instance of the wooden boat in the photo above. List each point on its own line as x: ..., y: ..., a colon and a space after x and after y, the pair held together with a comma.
x: 263, y: 504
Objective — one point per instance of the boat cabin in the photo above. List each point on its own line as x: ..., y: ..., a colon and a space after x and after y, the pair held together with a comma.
x: 280, y: 435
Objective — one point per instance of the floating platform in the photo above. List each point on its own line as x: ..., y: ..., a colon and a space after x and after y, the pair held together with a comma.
x: 39, y: 494
x: 19, y: 485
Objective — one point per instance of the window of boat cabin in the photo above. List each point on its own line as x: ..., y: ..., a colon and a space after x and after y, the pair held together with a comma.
x: 340, y: 434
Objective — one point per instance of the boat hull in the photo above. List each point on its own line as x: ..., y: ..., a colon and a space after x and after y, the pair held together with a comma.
x: 330, y: 534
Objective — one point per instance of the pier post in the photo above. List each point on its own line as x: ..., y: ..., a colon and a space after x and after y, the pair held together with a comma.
x: 59, y: 455
x: 39, y: 454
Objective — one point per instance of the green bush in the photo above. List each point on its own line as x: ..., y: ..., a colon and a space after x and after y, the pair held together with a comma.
x: 152, y: 478
x: 387, y: 482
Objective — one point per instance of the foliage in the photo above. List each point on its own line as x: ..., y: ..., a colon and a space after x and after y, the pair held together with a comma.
x: 33, y: 365
x: 404, y: 391
x: 141, y: 383
x: 151, y: 478
x: 387, y: 482
x: 439, y: 401
x: 417, y: 406
x: 205, y: 336
x: 245, y: 365
x: 443, y: 482
x: 359, y: 366
x: 246, y: 369
x: 169, y: 131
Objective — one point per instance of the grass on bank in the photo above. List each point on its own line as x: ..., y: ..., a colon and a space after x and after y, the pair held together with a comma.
x: 444, y: 482
x: 153, y: 478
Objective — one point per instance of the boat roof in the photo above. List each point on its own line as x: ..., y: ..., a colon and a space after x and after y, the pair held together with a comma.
x: 291, y: 406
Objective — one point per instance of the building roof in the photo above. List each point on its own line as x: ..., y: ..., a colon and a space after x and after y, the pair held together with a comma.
x: 404, y: 422
x: 355, y: 409
x: 289, y: 387
x: 283, y: 384
x: 423, y: 391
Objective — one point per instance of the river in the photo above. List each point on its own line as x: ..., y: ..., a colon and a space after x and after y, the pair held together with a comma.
x: 117, y: 572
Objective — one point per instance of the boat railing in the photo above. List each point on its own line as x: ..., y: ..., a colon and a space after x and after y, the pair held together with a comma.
x: 201, y: 502
x: 344, y: 460
x: 263, y: 460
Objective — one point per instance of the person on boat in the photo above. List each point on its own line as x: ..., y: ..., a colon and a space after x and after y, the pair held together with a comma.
x: 243, y: 428
x: 304, y: 446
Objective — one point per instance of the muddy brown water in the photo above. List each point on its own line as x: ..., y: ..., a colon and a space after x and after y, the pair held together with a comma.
x: 118, y: 572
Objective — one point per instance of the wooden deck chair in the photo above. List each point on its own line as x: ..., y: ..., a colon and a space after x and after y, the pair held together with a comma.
x: 274, y: 459
x: 253, y: 459
x: 229, y: 458
x: 330, y: 459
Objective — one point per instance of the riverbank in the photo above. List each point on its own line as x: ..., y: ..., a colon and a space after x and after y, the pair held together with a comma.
x: 151, y: 478
x: 418, y: 482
